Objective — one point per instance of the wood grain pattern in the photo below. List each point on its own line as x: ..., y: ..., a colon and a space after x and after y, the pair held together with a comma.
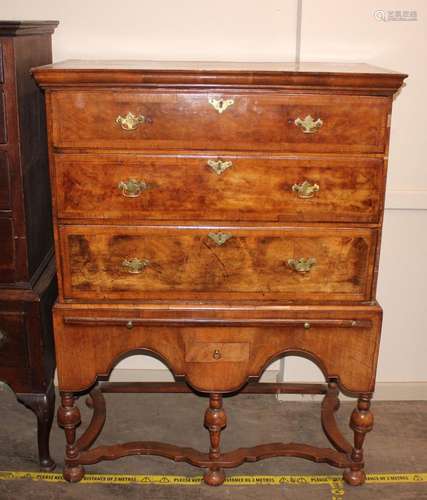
x: 80, y: 339
x: 187, y: 121
x: 187, y: 188
x: 184, y: 263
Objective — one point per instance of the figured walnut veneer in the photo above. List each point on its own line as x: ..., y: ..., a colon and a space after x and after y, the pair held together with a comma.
x: 217, y: 216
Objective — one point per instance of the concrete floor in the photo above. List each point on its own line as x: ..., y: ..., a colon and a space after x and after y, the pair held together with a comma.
x: 397, y: 444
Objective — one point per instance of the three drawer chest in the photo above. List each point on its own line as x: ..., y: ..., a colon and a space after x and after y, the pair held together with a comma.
x: 217, y: 216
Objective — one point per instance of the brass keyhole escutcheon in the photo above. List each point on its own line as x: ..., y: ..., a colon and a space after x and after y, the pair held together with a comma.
x: 219, y: 166
x: 221, y: 105
x: 216, y: 354
x: 220, y: 238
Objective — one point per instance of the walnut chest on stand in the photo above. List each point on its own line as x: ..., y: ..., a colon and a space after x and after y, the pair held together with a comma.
x: 218, y: 216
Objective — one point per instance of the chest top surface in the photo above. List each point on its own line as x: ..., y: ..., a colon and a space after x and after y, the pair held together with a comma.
x: 201, y: 73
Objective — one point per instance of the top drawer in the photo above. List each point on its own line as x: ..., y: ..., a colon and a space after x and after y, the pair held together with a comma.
x: 269, y: 122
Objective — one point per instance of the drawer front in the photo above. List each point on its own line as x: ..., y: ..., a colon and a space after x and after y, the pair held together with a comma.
x: 218, y: 350
x: 13, y: 351
x: 7, y: 251
x: 283, y: 263
x: 271, y: 122
x: 3, y: 135
x: 4, y: 182
x: 218, y: 188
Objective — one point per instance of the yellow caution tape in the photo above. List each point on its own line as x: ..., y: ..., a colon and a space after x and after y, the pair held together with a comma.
x: 255, y: 480
x: 335, y: 483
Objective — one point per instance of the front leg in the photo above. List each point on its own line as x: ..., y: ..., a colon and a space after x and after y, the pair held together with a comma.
x: 215, y: 421
x: 69, y: 419
x: 361, y: 421
x: 43, y: 405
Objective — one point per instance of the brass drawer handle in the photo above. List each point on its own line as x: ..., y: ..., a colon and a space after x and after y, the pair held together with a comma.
x: 220, y: 238
x: 306, y: 189
x: 221, y: 105
x: 219, y: 166
x: 132, y: 188
x: 135, y: 265
x: 302, y: 265
x: 130, y: 121
x: 216, y: 354
x: 3, y: 338
x: 308, y: 124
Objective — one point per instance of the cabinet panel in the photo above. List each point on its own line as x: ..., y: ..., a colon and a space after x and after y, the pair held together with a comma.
x: 5, y: 201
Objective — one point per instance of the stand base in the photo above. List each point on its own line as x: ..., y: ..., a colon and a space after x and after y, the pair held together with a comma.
x: 339, y: 456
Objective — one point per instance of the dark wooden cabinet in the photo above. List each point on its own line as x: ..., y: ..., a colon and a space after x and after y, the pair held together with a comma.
x: 218, y: 216
x: 27, y: 270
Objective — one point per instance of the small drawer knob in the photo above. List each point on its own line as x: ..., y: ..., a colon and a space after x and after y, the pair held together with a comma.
x: 216, y: 354
x: 129, y: 325
x: 307, y: 325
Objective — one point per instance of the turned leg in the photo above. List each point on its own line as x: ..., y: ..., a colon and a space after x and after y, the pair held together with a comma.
x: 215, y: 421
x: 43, y: 405
x: 69, y: 419
x: 361, y: 421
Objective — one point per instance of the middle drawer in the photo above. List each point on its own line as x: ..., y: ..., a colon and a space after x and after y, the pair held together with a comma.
x: 146, y: 187
x: 215, y: 263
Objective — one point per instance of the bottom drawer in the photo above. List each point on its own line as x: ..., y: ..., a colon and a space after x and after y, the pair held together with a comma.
x: 218, y: 350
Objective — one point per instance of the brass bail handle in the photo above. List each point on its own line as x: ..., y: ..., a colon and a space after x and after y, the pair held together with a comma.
x: 308, y: 124
x: 306, y: 189
x: 130, y: 121
x: 135, y: 265
x: 302, y: 265
x: 132, y: 188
